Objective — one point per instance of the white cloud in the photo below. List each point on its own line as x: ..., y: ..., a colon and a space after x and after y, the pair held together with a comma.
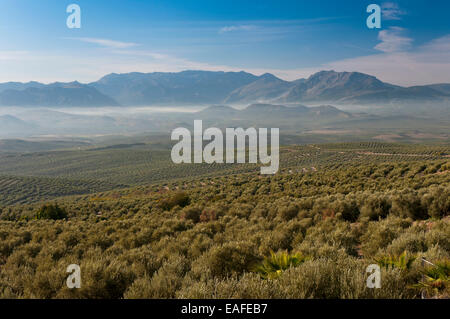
x: 438, y: 46
x: 13, y: 55
x: 391, y: 11
x: 107, y: 43
x: 234, y: 28
x: 392, y: 40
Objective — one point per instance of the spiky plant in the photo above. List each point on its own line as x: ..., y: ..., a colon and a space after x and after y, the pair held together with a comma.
x: 403, y: 261
x: 436, y: 280
x: 272, y: 267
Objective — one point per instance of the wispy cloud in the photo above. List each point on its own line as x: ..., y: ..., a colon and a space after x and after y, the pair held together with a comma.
x: 13, y: 55
x: 439, y: 45
x: 143, y: 53
x: 108, y: 43
x: 391, y: 11
x: 393, y: 40
x: 234, y: 28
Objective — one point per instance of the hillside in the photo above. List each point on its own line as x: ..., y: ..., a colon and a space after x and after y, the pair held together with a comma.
x: 266, y: 88
x: 188, y: 87
x: 55, y: 95
x: 335, y: 209
x: 93, y: 169
x: 13, y: 126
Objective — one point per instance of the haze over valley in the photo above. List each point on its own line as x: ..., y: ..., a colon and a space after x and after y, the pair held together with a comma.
x: 350, y: 104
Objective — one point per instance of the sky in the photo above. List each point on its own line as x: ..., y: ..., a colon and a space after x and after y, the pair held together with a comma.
x: 291, y: 39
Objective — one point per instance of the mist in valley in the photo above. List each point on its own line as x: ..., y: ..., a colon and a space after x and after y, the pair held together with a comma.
x: 299, y: 124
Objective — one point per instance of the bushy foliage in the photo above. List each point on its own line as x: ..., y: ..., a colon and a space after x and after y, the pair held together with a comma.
x: 203, y: 238
x: 403, y: 261
x: 50, y: 211
x: 230, y: 259
x: 178, y: 199
x: 191, y: 213
x: 273, y: 266
x: 376, y: 207
x: 436, y: 280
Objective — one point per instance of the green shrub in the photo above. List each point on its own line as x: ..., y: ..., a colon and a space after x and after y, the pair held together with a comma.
x: 437, y: 201
x: 376, y: 207
x: 208, y: 215
x: 409, y: 205
x: 436, y: 280
x: 412, y: 241
x: 379, y: 235
x: 51, y: 211
x: 178, y: 199
x: 231, y: 258
x: 288, y: 213
x: 191, y: 213
x: 272, y: 267
x: 163, y: 284
x: 403, y: 261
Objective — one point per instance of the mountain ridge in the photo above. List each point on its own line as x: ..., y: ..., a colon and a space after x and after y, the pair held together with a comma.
x: 55, y: 94
x: 218, y: 87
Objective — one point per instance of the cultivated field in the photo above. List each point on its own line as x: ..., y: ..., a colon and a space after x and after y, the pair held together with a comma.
x: 140, y: 227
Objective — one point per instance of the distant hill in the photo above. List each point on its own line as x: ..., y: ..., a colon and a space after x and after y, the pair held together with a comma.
x: 218, y: 111
x: 57, y: 94
x: 17, y: 145
x: 11, y: 126
x: 443, y: 88
x: 398, y: 95
x: 270, y: 112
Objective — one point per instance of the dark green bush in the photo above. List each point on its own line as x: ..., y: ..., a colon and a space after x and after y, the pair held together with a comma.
x: 409, y: 204
x: 437, y: 201
x: 231, y: 258
x: 191, y: 213
x: 376, y: 207
x: 51, y: 211
x: 287, y: 213
x: 178, y: 199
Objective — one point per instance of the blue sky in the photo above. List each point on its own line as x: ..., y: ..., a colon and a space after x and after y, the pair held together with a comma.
x: 291, y: 39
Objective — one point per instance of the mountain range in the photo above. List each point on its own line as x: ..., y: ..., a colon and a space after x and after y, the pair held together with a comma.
x: 207, y: 87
